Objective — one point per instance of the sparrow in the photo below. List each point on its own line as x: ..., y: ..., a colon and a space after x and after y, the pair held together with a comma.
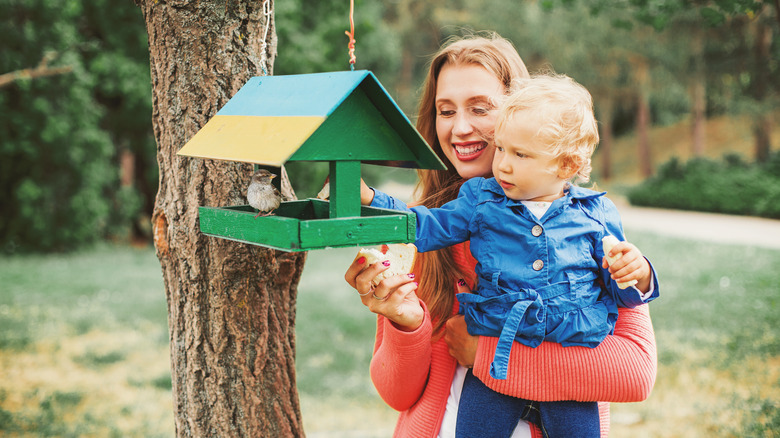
x: 261, y: 194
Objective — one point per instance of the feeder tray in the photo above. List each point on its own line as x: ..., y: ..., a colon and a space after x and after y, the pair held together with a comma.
x: 304, y: 225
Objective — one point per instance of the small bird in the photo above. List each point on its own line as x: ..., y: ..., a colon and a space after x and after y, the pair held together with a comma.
x: 261, y: 194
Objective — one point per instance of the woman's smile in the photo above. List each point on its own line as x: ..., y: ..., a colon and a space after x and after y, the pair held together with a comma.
x: 469, y: 150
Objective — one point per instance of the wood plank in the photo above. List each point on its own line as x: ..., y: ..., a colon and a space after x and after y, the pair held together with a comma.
x: 354, y: 231
x: 344, y: 189
x: 304, y: 225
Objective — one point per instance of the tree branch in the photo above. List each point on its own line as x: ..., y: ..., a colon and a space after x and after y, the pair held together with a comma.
x: 42, y: 70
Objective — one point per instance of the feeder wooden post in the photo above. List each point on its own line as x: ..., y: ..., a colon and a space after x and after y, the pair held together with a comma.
x: 344, y: 189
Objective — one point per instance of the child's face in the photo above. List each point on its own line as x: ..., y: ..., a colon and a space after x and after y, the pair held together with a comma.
x: 522, y: 165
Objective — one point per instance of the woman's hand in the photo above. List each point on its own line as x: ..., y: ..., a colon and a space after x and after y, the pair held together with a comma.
x: 462, y: 345
x: 394, y: 297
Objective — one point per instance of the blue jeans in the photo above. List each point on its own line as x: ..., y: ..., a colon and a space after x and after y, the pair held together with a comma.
x: 483, y: 412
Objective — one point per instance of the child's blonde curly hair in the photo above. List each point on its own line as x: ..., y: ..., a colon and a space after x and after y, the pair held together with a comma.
x: 566, y: 111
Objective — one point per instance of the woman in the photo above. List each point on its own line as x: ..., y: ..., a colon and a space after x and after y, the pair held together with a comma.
x: 422, y: 345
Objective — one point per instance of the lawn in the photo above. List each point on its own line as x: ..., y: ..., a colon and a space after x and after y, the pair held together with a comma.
x: 84, y: 349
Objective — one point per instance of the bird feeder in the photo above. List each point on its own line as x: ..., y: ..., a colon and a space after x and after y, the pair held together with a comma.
x: 343, y: 118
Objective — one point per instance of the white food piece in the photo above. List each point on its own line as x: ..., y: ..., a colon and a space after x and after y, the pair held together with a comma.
x: 324, y: 193
x: 400, y: 255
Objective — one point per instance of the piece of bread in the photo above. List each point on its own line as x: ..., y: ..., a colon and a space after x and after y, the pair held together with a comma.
x: 324, y: 193
x: 401, y: 256
x: 608, y: 242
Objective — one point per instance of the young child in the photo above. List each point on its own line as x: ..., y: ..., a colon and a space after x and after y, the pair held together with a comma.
x: 541, y: 271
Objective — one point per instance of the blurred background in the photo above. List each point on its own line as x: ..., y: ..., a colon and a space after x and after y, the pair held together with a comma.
x: 686, y: 94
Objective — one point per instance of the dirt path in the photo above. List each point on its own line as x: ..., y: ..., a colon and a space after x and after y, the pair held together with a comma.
x: 722, y: 228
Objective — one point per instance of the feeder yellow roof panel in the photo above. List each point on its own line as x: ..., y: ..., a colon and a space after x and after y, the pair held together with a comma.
x: 240, y: 138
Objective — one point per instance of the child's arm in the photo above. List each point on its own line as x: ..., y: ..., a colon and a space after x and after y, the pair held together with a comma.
x: 437, y: 227
x: 366, y: 193
x: 631, y: 265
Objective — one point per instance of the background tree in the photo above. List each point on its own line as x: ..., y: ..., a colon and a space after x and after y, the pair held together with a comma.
x: 62, y: 137
x: 117, y: 55
x: 312, y: 34
x: 748, y: 37
x: 231, y: 306
x: 54, y: 159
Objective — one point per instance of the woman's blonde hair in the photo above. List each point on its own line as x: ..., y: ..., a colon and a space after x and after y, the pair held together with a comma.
x: 498, y: 56
x: 564, y: 110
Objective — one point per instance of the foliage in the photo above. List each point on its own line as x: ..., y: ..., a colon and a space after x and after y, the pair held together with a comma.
x: 103, y: 108
x: 54, y: 158
x: 660, y: 13
x: 311, y: 40
x: 59, y: 135
x: 117, y: 56
x: 729, y: 186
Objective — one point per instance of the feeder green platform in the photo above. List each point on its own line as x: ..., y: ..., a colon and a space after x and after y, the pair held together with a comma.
x: 344, y: 118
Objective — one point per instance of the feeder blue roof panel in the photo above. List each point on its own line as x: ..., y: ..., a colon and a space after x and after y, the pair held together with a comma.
x: 316, y: 94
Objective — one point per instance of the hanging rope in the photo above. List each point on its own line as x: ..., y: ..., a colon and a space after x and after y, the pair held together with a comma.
x: 264, y: 43
x: 351, y: 34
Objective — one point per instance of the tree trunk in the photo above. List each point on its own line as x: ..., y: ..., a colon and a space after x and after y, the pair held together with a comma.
x: 762, y: 126
x: 605, y: 145
x: 231, y: 306
x: 698, y: 96
x: 641, y: 72
x: 642, y: 134
x: 699, y: 118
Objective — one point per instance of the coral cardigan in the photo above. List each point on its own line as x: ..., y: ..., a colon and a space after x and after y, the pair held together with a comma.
x: 413, y: 373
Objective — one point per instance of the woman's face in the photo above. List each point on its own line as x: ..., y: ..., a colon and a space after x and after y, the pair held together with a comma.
x: 465, y: 117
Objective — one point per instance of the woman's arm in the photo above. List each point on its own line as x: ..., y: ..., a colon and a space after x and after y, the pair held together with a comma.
x: 621, y: 369
x: 401, y: 362
x: 402, y: 350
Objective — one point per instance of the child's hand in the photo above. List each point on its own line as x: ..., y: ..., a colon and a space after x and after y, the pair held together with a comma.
x: 630, y: 265
x: 366, y: 194
x: 461, y: 345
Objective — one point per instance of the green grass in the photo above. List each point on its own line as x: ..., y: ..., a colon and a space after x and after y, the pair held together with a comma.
x: 719, y: 350
x: 84, y: 349
x: 84, y: 345
x: 106, y: 287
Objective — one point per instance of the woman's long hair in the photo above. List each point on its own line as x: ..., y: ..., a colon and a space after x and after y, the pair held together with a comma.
x: 437, y: 269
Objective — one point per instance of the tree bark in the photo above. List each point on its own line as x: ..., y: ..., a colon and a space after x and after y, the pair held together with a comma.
x: 231, y: 306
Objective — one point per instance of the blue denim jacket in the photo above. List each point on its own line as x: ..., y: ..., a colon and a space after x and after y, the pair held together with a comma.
x: 538, y: 279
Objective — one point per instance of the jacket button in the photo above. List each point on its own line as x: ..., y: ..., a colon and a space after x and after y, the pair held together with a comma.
x: 538, y: 265
x: 537, y: 230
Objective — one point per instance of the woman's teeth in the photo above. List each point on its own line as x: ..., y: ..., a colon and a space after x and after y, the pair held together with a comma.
x: 469, y: 149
